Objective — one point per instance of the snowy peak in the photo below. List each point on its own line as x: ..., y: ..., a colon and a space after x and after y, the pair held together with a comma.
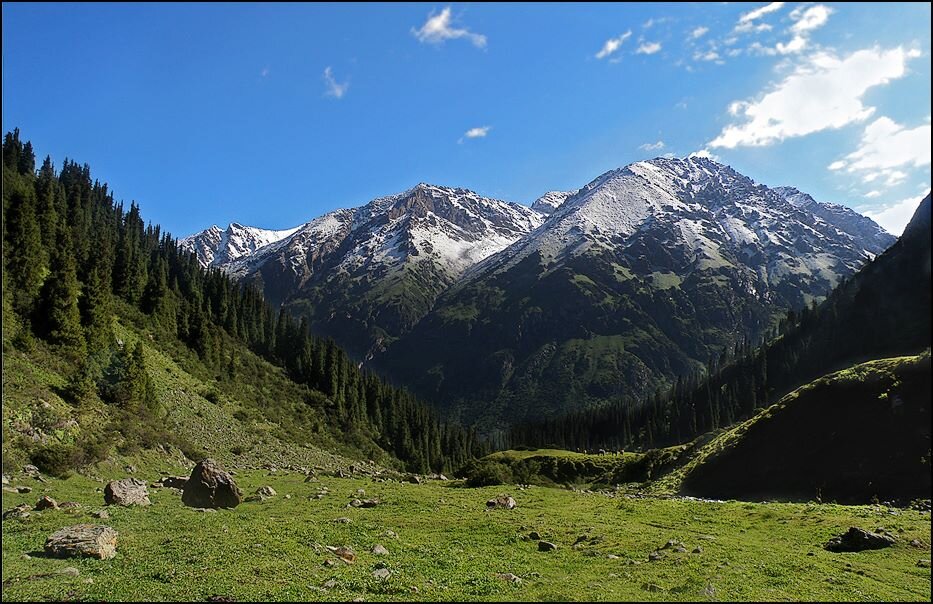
x: 214, y: 247
x: 550, y: 201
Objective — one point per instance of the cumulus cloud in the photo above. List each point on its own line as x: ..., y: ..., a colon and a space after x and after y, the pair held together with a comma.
x: 612, y: 45
x: 825, y: 91
x: 886, y: 145
x: 439, y: 28
x: 648, y: 48
x: 652, y: 146
x: 894, y: 217
x: 708, y: 55
x: 808, y: 19
x: 699, y: 32
x: 704, y: 153
x: 332, y: 87
x: 873, y: 194
x: 478, y: 132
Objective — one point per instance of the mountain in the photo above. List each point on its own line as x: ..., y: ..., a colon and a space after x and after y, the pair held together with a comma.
x: 548, y: 203
x: 844, y: 218
x: 366, y: 275
x: 882, y: 311
x: 850, y: 436
x: 642, y: 275
x: 214, y: 247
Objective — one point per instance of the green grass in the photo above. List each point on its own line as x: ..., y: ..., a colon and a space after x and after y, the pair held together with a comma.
x: 450, y: 548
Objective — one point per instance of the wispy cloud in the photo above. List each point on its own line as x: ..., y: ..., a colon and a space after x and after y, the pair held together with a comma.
x: 699, y: 32
x: 648, y: 48
x: 612, y: 45
x: 824, y: 91
x: 439, y: 28
x: 332, y: 87
x: 264, y: 72
x: 747, y: 20
x: 478, y: 132
x: 652, y: 146
x: 808, y: 19
x: 885, y: 151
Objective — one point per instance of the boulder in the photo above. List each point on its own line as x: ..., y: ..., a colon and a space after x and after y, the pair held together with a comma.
x: 211, y: 487
x: 266, y: 492
x: 546, y: 546
x: 501, y: 501
x: 83, y: 540
x: 379, y: 550
x: 69, y: 505
x: 129, y: 491
x: 46, y: 503
x: 20, y: 512
x: 857, y: 540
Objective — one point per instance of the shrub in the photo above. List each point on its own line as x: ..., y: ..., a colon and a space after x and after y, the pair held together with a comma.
x: 484, y: 473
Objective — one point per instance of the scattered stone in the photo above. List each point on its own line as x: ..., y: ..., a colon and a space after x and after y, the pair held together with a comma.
x: 546, y: 546
x: 361, y: 492
x: 30, y: 470
x: 129, y: 491
x: 414, y: 479
x: 330, y: 584
x: 923, y: 563
x: 266, y: 492
x: 46, y: 503
x: 534, y: 536
x: 580, y: 539
x: 354, y: 503
x: 917, y: 543
x: 23, y: 490
x: 654, y: 556
x: 392, y: 534
x: 5, y: 480
x: 69, y: 571
x: 501, y: 501
x: 20, y: 512
x: 83, y: 540
x: 651, y: 587
x: 342, y: 520
x: 102, y: 514
x: 698, y: 550
x: 344, y: 553
x: 69, y: 505
x: 414, y: 589
x: 510, y: 578
x: 857, y: 540
x: 130, y: 469
x: 612, y: 557
x: 10, y: 490
x: 329, y: 563
x: 288, y: 496
x: 211, y: 487
x: 379, y: 550
x: 672, y: 543
x: 382, y: 573
x: 680, y: 549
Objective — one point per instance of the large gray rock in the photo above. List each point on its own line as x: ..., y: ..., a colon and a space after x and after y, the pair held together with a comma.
x: 83, y: 540
x: 501, y: 501
x: 857, y: 540
x: 129, y: 491
x: 211, y: 487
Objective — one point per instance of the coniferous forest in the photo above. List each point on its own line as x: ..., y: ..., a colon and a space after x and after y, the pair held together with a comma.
x: 74, y: 259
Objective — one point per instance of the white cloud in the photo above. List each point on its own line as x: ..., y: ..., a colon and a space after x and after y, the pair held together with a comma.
x: 652, y: 146
x: 699, y: 32
x: 648, y: 48
x: 612, y: 45
x: 822, y: 92
x: 709, y: 55
x: 837, y: 165
x: 896, y: 216
x: 812, y: 18
x: 873, y: 194
x: 886, y: 145
x: 705, y: 153
x: 478, y: 132
x: 437, y: 29
x: 796, y: 44
x: 332, y: 87
x: 747, y: 21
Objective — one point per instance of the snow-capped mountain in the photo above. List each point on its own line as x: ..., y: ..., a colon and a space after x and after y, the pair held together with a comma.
x: 550, y: 201
x: 641, y: 275
x: 214, y: 247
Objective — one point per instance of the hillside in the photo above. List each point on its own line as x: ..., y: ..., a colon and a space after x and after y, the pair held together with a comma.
x: 856, y: 435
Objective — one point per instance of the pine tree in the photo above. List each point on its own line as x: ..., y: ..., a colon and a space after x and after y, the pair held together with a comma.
x: 59, y: 317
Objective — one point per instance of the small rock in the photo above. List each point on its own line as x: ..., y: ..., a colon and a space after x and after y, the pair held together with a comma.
x: 129, y: 491
x: 811, y: 553
x: 6, y: 480
x: 546, y: 546
x: 651, y: 587
x: 173, y: 482
x: 509, y: 577
x: 917, y: 543
x: 923, y: 563
x: 20, y: 512
x: 672, y: 543
x: 698, y: 550
x: 344, y: 553
x: 502, y: 501
x: 654, y: 556
x: 361, y: 492
x: 580, y: 539
x: 379, y: 550
x: 46, y: 503
x: 382, y: 573
x: 102, y: 514
x: 23, y: 490
x: 69, y: 571
x: 534, y: 536
x: 83, y: 540
x: 857, y: 540
x: 330, y: 584
x: 355, y: 503
x: 612, y: 557
x: 392, y: 534
x: 413, y: 589
x: 342, y: 520
x: 266, y: 492
x: 329, y: 562
x: 414, y: 479
x: 680, y: 549
x: 69, y: 505
x: 30, y: 470
x: 288, y: 496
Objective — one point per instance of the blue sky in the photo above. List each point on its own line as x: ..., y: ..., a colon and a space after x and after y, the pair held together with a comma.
x: 270, y: 114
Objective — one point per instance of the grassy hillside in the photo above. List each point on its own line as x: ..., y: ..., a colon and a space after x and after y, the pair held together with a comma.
x: 443, y: 545
x: 852, y: 435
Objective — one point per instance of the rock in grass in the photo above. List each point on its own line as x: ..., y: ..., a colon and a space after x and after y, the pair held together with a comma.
x: 379, y: 550
x: 83, y: 541
x: 20, y: 512
x: 46, y: 503
x: 23, y: 490
x: 266, y: 492
x: 857, y: 540
x: 172, y: 482
x: 382, y: 573
x: 546, y: 546
x: 501, y: 501
x: 344, y: 553
x: 534, y: 536
x: 129, y: 491
x: 102, y: 514
x: 209, y: 486
x: 923, y: 563
x: 511, y: 578
x: 69, y: 505
x: 654, y: 556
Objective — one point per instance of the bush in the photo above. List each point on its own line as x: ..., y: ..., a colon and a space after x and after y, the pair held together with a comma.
x: 484, y: 473
x: 56, y: 460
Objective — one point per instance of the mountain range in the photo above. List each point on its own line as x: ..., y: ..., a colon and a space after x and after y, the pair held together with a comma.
x: 499, y: 312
